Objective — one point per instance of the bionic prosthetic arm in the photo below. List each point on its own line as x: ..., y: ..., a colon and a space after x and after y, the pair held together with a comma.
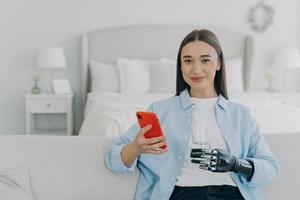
x: 218, y: 160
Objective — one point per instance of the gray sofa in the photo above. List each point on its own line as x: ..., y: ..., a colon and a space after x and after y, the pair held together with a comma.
x: 73, y: 167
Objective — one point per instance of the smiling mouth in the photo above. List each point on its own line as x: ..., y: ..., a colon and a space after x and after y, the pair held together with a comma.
x: 197, y: 79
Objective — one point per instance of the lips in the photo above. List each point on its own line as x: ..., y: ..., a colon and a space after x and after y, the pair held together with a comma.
x: 197, y: 79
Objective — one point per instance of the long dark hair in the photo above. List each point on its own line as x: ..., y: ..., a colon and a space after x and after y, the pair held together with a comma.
x: 211, y: 39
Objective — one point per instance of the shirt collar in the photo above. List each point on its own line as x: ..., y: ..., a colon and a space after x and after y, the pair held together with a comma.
x: 187, y: 101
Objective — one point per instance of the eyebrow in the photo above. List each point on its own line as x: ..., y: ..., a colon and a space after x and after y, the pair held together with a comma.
x: 202, y: 56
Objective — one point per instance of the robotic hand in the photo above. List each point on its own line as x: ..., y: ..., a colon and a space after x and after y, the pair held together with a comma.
x: 218, y: 160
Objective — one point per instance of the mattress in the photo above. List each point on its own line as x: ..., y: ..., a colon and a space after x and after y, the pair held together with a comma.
x: 111, y: 114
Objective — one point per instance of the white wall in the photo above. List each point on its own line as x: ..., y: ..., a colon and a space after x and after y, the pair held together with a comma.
x: 32, y: 24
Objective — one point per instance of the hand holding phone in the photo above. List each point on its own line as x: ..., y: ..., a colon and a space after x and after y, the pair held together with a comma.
x: 153, y: 134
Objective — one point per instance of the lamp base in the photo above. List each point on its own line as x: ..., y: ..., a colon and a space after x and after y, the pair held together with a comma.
x: 270, y: 89
x: 35, y: 90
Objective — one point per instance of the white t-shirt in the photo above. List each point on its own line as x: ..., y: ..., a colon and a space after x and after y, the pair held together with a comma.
x: 191, y: 174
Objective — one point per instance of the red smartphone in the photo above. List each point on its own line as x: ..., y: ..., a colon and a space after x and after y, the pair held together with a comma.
x: 145, y: 118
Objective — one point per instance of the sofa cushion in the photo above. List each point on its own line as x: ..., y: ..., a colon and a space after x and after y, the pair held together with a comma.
x: 73, y: 167
x: 66, y: 167
x: 15, y: 184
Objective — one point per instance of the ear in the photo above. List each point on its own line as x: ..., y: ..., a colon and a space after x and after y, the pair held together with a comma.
x: 218, y: 65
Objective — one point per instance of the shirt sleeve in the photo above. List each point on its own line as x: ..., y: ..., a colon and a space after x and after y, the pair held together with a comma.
x: 265, y: 162
x: 113, y: 156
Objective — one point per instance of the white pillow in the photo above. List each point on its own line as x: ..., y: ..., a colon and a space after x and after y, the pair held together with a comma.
x: 163, y: 76
x: 234, y: 75
x: 105, y: 78
x: 15, y: 185
x: 134, y: 75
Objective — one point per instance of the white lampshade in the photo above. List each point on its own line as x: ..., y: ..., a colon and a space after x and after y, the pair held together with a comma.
x: 51, y: 57
x: 286, y: 58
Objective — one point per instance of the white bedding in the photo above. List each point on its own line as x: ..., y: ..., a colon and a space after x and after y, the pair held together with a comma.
x: 112, y: 113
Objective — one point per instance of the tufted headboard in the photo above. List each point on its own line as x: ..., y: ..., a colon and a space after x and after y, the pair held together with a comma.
x: 152, y: 42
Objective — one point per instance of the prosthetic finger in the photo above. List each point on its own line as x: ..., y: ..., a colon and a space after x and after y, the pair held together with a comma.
x: 198, y: 161
x: 206, y: 164
x: 203, y: 153
x: 206, y: 156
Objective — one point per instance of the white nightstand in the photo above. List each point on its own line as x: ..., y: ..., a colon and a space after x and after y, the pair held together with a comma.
x: 48, y: 104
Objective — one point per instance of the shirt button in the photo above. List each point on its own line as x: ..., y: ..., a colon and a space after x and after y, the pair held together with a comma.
x: 173, y: 178
x: 186, y: 137
x: 180, y: 157
x: 189, y: 120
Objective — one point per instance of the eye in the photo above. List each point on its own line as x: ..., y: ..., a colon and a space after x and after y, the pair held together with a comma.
x: 204, y: 61
x: 187, y: 61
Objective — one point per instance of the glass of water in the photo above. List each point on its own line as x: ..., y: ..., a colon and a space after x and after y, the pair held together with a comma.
x: 201, y: 137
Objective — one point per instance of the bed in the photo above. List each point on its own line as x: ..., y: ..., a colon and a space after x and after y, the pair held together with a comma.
x: 111, y: 111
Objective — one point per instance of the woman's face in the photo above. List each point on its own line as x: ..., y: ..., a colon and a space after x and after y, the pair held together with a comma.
x: 199, y: 63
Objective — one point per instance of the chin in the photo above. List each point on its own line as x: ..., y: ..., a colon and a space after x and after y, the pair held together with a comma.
x: 199, y: 86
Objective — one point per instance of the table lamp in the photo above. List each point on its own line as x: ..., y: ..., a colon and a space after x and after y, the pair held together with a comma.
x: 49, y: 58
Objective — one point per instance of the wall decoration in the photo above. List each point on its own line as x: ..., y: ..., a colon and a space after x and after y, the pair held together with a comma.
x: 261, y: 17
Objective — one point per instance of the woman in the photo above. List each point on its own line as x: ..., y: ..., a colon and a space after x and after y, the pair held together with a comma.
x: 240, y: 160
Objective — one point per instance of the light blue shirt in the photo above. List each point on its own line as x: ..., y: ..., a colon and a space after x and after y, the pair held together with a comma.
x: 158, y: 172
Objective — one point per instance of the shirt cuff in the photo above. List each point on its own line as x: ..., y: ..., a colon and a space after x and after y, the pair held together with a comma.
x: 118, y: 159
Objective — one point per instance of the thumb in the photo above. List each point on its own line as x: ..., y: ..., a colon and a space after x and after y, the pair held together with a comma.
x: 145, y: 129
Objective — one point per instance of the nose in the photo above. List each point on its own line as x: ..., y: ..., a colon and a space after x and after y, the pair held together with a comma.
x: 197, y: 67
